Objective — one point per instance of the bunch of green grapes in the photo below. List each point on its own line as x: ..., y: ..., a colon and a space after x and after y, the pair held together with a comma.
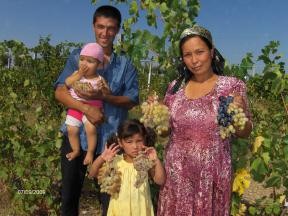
x: 155, y: 115
x: 239, y: 117
x: 109, y: 178
x: 142, y: 164
x: 82, y: 86
x: 225, y: 132
x: 230, y: 116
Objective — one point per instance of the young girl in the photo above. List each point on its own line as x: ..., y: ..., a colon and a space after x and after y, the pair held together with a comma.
x: 85, y: 78
x: 131, y: 200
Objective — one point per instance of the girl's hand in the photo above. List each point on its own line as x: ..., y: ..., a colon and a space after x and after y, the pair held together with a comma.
x: 151, y: 153
x: 110, y: 152
x: 83, y: 70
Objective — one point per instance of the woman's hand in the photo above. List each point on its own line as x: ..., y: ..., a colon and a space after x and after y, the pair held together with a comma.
x: 110, y: 152
x: 239, y: 101
x: 152, y: 98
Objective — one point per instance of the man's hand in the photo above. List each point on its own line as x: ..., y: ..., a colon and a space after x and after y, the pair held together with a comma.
x: 94, y: 115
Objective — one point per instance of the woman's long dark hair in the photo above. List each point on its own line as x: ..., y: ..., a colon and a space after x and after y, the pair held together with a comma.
x: 185, y: 74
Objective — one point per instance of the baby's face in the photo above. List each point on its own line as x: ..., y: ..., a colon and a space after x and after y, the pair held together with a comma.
x: 90, y: 62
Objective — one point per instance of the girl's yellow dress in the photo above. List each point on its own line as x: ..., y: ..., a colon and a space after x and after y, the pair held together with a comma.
x: 131, y: 201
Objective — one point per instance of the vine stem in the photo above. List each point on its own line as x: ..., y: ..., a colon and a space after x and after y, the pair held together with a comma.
x: 285, y: 106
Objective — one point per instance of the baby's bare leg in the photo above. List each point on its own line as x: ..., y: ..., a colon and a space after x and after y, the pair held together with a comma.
x: 91, y: 134
x: 73, y: 136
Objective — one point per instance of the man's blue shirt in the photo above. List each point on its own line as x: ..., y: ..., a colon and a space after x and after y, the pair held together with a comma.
x: 122, y: 79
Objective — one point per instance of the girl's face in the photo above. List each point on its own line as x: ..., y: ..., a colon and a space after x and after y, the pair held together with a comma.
x: 90, y: 62
x: 197, y: 56
x: 131, y: 146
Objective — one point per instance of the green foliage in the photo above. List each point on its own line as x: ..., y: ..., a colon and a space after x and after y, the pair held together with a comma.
x: 267, y: 91
x: 265, y: 208
x: 29, y: 121
x: 241, y: 71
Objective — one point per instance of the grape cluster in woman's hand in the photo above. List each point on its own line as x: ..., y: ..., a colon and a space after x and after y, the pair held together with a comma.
x: 155, y: 115
x: 230, y: 117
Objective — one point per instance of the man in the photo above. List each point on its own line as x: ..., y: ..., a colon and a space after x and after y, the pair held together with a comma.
x: 122, y: 79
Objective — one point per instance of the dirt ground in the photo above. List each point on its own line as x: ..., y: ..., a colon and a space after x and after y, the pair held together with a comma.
x: 257, y: 191
x: 90, y: 206
x: 4, y: 200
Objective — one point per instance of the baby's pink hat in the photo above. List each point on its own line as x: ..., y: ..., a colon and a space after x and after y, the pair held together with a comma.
x: 93, y: 50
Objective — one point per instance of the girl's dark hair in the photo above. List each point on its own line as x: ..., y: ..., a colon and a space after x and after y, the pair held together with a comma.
x: 108, y: 11
x: 133, y: 126
x: 184, y: 73
x: 150, y: 138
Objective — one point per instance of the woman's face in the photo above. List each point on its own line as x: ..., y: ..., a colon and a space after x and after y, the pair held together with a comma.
x: 197, y: 56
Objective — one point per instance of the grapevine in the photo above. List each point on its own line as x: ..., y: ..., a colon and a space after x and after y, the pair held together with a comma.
x: 230, y: 117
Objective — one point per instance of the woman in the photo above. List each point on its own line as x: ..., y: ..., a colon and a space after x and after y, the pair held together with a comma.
x: 198, y: 160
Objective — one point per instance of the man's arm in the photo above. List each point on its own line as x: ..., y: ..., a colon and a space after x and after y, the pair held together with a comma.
x: 116, y: 100
x: 123, y: 101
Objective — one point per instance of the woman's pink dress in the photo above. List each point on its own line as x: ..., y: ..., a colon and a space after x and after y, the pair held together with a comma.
x: 197, y: 160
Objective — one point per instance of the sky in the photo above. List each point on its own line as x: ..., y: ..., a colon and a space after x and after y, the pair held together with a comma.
x: 237, y: 26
